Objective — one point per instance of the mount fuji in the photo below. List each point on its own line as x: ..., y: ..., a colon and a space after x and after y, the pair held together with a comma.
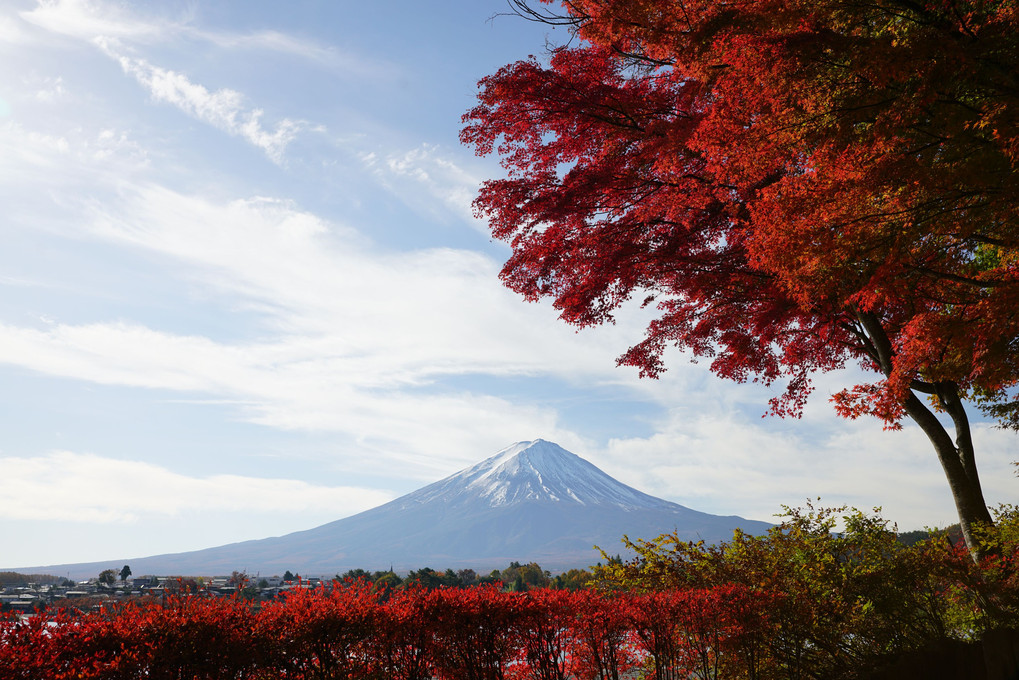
x: 532, y: 501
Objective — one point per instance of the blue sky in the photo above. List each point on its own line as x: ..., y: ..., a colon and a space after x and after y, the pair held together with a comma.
x: 242, y: 294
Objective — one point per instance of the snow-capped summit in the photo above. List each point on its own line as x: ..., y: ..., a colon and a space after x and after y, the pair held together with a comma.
x: 532, y: 501
x: 532, y: 471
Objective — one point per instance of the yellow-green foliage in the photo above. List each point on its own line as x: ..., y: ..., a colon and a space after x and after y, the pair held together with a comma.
x: 849, y: 592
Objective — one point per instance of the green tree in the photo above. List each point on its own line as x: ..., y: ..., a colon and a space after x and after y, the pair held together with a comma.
x: 574, y: 579
x: 107, y: 577
x: 125, y: 572
x: 427, y: 578
x: 524, y: 576
x: 355, y: 574
x: 467, y: 577
x: 387, y: 581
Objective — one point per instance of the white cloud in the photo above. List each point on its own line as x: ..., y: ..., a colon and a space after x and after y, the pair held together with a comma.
x: 114, y: 30
x: 86, y: 19
x: 389, y: 318
x: 353, y: 339
x: 78, y: 487
x: 115, y: 354
x: 425, y: 178
x: 298, y: 386
x: 65, y: 164
x: 224, y: 109
x: 726, y: 464
x: 91, y: 19
x: 11, y: 32
x: 53, y: 91
x: 303, y: 47
x: 356, y: 341
x: 50, y: 142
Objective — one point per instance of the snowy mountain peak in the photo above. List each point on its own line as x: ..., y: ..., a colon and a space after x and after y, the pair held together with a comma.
x: 532, y: 502
x: 536, y: 470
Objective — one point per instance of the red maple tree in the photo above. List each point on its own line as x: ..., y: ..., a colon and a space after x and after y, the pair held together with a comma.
x: 794, y: 186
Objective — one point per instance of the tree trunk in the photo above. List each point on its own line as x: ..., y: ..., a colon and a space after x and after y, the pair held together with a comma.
x: 960, y: 469
x: 957, y: 457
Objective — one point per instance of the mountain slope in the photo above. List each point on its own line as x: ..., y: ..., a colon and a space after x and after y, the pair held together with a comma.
x: 533, y: 501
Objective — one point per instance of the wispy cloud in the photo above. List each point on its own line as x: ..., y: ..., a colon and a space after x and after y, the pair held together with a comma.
x: 292, y: 384
x: 52, y: 91
x: 354, y: 339
x: 12, y: 32
x: 117, y: 32
x: 59, y: 162
x: 274, y: 41
x: 81, y: 487
x: 85, y: 19
x: 377, y: 344
x: 224, y: 109
x: 406, y: 317
x: 726, y: 463
x: 91, y: 19
x: 429, y: 181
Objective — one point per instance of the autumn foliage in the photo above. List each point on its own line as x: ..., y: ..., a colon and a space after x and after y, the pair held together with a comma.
x: 830, y: 593
x: 794, y: 186
x: 799, y: 602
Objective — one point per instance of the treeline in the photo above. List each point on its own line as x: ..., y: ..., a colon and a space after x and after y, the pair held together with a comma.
x: 802, y: 602
x: 953, y: 532
x: 516, y: 577
x: 14, y: 578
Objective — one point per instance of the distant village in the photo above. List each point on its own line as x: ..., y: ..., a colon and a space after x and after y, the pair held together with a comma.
x: 28, y: 593
x: 40, y: 592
